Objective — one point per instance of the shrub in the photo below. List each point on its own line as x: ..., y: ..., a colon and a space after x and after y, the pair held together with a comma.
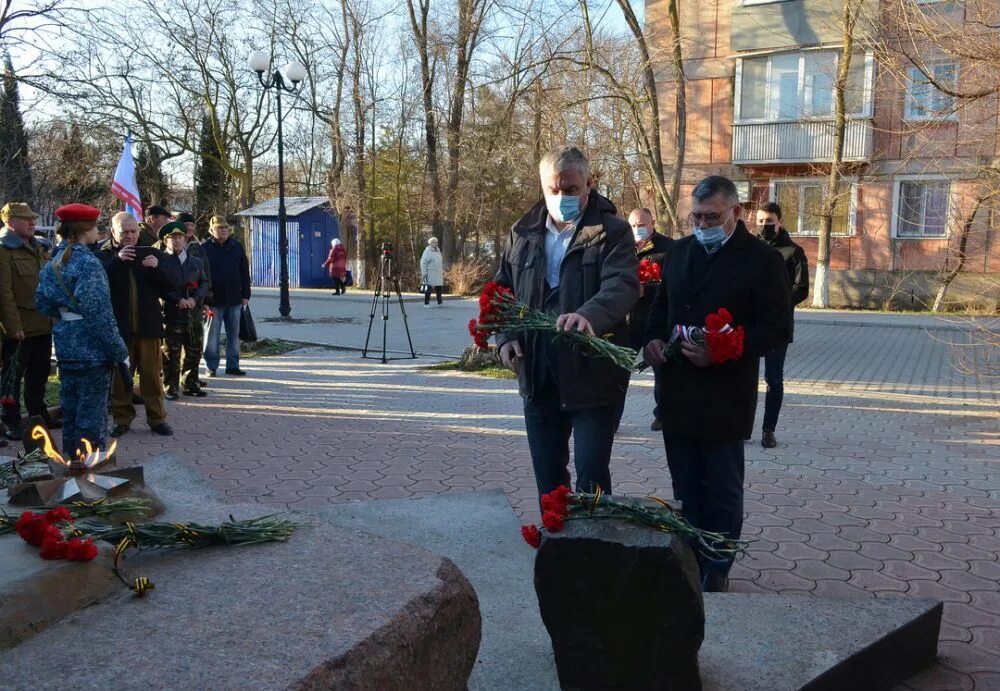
x: 467, y: 276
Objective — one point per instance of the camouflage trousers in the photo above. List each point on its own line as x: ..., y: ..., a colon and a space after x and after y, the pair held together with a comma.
x: 83, y: 394
x: 182, y: 347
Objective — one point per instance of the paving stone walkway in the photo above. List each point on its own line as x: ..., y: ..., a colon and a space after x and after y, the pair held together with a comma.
x: 885, y: 482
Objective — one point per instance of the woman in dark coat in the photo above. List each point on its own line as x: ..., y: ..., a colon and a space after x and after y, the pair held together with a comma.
x: 336, y: 265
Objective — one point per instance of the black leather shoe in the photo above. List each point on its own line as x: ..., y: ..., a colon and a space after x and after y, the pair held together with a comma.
x: 163, y: 429
x: 767, y: 439
x: 171, y: 396
x: 715, y: 583
x: 211, y: 372
x: 51, y: 423
x: 119, y: 430
x: 13, y: 434
x: 236, y: 372
x: 198, y: 393
x: 656, y: 425
x: 202, y: 382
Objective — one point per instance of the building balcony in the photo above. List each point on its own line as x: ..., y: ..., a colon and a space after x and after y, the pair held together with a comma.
x: 799, y: 141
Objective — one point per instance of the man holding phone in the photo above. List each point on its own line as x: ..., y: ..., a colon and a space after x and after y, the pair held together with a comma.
x: 138, y: 278
x: 771, y: 232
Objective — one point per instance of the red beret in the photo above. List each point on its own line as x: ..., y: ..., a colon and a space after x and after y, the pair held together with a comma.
x: 77, y: 212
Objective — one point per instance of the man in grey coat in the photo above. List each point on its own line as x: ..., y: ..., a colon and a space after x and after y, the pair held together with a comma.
x: 573, y: 257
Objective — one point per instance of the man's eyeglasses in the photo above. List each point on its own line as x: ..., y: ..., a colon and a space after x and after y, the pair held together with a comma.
x: 711, y: 219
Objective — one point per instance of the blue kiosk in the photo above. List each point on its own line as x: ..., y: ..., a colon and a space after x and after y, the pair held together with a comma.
x: 312, y: 223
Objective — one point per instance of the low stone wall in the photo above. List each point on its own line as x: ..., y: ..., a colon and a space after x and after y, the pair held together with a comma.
x: 908, y: 290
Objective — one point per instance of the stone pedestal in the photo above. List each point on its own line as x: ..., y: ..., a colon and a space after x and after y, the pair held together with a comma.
x: 623, y: 606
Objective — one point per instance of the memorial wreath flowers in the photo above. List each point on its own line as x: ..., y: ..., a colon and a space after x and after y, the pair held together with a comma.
x: 500, y: 311
x: 561, y: 505
x: 723, y: 340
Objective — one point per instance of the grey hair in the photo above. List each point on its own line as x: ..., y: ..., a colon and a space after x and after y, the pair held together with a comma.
x: 119, y: 218
x: 564, y: 158
x: 716, y: 184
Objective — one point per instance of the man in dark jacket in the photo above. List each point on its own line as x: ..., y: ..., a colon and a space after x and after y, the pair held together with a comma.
x: 770, y: 230
x: 230, y: 272
x: 27, y: 333
x: 652, y: 246
x: 707, y: 410
x: 154, y: 218
x: 139, y: 278
x: 573, y: 257
x: 182, y: 344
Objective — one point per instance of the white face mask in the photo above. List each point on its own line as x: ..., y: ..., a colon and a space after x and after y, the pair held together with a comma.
x: 640, y: 233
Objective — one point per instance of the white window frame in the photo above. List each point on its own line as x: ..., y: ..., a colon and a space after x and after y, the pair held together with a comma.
x: 738, y: 118
x: 908, y: 115
x: 897, y: 187
x: 852, y: 212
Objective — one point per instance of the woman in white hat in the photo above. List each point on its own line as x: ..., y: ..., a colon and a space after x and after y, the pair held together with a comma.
x: 432, y: 271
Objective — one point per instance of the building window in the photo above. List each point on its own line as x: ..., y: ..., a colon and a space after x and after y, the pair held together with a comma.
x: 797, y: 86
x: 924, y: 101
x: 922, y: 208
x: 801, y: 204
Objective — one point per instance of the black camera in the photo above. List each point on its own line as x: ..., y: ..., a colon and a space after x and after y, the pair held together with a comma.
x: 386, y: 248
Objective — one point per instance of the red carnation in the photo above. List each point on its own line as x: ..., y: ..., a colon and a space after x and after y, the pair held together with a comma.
x: 557, y: 500
x: 81, y: 550
x: 31, y: 527
x: 714, y: 322
x: 60, y: 514
x: 53, y: 548
x: 725, y: 315
x: 532, y: 535
x: 553, y: 522
x: 472, y: 328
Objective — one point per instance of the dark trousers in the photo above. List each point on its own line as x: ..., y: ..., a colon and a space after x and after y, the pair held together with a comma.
x: 32, y: 370
x: 549, y: 428
x: 427, y: 294
x: 707, y: 478
x: 182, y: 347
x: 339, y: 286
x: 83, y: 394
x: 774, y: 375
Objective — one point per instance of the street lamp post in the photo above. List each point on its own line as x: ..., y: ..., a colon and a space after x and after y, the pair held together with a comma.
x: 294, y: 72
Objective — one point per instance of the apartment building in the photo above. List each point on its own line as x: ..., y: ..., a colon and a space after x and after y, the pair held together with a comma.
x: 759, y: 77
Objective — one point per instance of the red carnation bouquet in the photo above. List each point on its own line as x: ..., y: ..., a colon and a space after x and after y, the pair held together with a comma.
x: 43, y: 530
x: 500, y: 312
x: 723, y: 340
x: 649, y: 272
x: 562, y: 504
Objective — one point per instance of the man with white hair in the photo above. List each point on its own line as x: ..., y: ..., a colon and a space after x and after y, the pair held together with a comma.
x: 572, y: 256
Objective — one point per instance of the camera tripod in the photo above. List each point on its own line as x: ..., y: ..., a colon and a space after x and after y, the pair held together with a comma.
x: 383, y: 290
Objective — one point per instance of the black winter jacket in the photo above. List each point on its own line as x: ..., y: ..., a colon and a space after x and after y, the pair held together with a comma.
x: 136, y: 291
x: 598, y: 279
x: 798, y: 271
x: 748, y: 278
x: 229, y: 271
x: 655, y: 250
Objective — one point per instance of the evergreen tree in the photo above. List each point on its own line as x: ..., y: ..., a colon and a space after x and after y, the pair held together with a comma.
x: 153, y: 185
x: 15, y: 167
x: 210, y: 177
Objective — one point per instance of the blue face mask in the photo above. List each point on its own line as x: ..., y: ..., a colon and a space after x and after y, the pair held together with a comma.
x: 640, y: 233
x: 710, y: 238
x: 563, y: 208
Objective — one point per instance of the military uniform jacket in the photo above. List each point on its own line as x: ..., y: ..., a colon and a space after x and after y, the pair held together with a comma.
x: 93, y: 340
x: 193, y: 284
x: 20, y: 264
x: 598, y: 278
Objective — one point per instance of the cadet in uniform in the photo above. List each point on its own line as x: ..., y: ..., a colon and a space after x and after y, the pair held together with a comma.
x: 73, y: 288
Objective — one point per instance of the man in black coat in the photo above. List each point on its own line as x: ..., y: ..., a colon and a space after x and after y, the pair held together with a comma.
x: 652, y: 246
x: 139, y: 278
x: 770, y: 230
x: 229, y: 270
x: 573, y: 257
x: 707, y: 410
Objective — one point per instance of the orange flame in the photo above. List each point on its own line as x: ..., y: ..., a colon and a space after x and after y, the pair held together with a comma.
x: 39, y: 432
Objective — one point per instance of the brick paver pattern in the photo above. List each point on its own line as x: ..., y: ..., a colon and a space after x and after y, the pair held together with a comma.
x: 884, y: 483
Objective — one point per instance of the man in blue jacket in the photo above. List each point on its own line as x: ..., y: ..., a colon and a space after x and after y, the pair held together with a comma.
x: 230, y: 272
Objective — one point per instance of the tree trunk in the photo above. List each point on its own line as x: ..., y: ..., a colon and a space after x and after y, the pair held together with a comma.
x: 821, y: 286
x: 963, y: 242
x: 680, y: 122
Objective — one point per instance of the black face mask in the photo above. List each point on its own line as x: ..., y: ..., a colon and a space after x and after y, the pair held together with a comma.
x: 769, y: 231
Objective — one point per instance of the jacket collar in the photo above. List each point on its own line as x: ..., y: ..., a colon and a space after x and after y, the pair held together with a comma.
x: 782, y: 239
x: 10, y: 239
